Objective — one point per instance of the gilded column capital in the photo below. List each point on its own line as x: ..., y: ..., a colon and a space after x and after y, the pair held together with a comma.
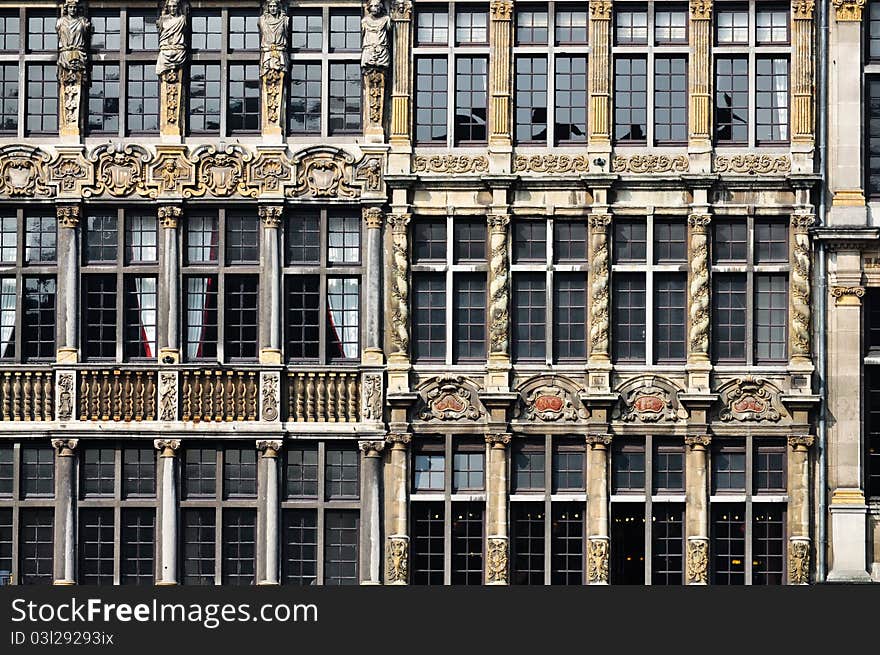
x: 598, y: 441
x: 698, y: 442
x: 600, y: 9
x: 65, y: 447
x: 167, y: 447
x: 398, y: 440
x: 501, y: 9
x: 373, y: 217
x: 372, y: 448
x: 801, y: 443
x: 701, y: 9
x: 498, y: 440
x: 401, y: 10
x: 169, y: 216
x: 848, y: 296
x: 848, y: 11
x: 271, y: 215
x: 269, y: 448
x: 68, y: 215
x: 803, y: 9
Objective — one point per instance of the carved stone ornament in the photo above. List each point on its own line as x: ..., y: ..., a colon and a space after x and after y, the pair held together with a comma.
x: 848, y: 10
x: 74, y: 40
x: 803, y: 9
x: 397, y: 560
x: 599, y: 281
x: 172, y: 29
x: 501, y: 9
x: 375, y: 46
x: 269, y: 448
x: 600, y: 9
x: 598, y: 441
x: 750, y: 399
x: 648, y: 399
x: 401, y: 438
x: 373, y: 217
x: 499, y: 284
x: 551, y: 399
x: 65, y: 447
x: 399, y: 287
x: 801, y: 442
x: 801, y: 291
x: 450, y: 398
x: 401, y: 9
x: 220, y: 172
x: 372, y: 397
x: 799, y: 561
x: 65, y: 386
x: 551, y: 164
x: 641, y: 164
x: 701, y: 9
x: 697, y: 441
x: 323, y: 172
x: 70, y: 172
x: 374, y: 83
x: 496, y: 560
x: 270, y: 396
x: 169, y: 216
x: 270, y: 215
x: 698, y: 561
x: 23, y: 172
x: 68, y: 215
x: 452, y: 164
x: 842, y: 294
x: 119, y: 170
x: 274, y: 27
x: 167, y: 396
x: 500, y: 439
x: 752, y: 164
x: 369, y: 173
x: 371, y: 448
x: 597, y: 560
x: 170, y: 172
x: 269, y: 171
x: 698, y: 337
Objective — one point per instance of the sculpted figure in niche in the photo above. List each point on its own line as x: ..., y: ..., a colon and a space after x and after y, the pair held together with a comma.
x: 74, y: 31
x: 274, y: 38
x: 374, y: 28
x: 172, y: 38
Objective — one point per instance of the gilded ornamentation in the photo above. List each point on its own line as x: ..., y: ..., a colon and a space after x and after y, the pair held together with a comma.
x: 496, y: 560
x: 169, y: 216
x: 374, y: 82
x: 501, y: 9
x: 369, y: 173
x: 801, y: 441
x: 551, y: 164
x: 600, y: 9
x: 271, y: 215
x: 397, y: 560
x: 697, y: 441
x: 697, y: 561
x: 650, y: 164
x: 803, y: 9
x: 74, y: 38
x: 599, y: 274
x: 699, y: 286
x: 68, y: 215
x: 449, y: 398
x: 848, y: 10
x: 701, y: 9
x: 372, y: 397
x: 453, y: 164
x: 753, y: 164
x: 119, y: 170
x: 166, y: 447
x: 168, y: 396
x: 499, y: 284
x: 268, y: 172
x: 750, y: 399
x: 399, y: 282
x: 648, y: 399
x: 23, y: 172
x: 66, y: 386
x: 848, y: 292
x: 220, y: 172
x: 270, y: 396
x: 597, y: 560
x: 799, y: 561
x: 800, y: 286
x: 550, y: 398
x: 323, y: 172
x: 373, y: 217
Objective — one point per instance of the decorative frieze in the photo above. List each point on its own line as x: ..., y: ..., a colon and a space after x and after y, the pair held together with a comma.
x: 597, y: 560
x: 399, y: 289
x: 750, y: 399
x: 371, y: 409
x: 800, y: 289
x: 450, y: 398
x: 168, y: 396
x: 499, y: 285
x: 848, y: 10
x: 697, y: 560
x: 698, y: 306
x: 642, y: 164
x: 497, y: 556
x: 551, y: 164
x: 752, y: 164
x: 119, y: 170
x: 451, y: 164
x: 599, y: 281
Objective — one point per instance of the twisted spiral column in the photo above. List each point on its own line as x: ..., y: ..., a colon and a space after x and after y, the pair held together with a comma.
x: 799, y: 289
x: 599, y: 281
x: 698, y: 310
x: 499, y: 285
x: 399, y: 324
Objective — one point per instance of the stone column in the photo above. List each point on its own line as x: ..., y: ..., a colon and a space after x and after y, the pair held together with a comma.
x: 600, y: 76
x: 401, y: 94
x: 270, y: 285
x: 398, y: 323
x: 65, y: 511
x: 269, y: 509
x: 372, y: 353
x: 371, y: 514
x: 600, y: 303
x: 499, y: 301
x: 67, y: 290
x: 500, y: 75
x: 802, y: 82
x: 497, y: 543
x: 697, y: 508
x: 169, y: 286
x: 800, y: 325
x: 848, y: 508
x: 699, y: 79
x: 397, y: 543
x: 698, y: 303
x: 799, y: 509
x: 598, y: 546
x: 167, y: 519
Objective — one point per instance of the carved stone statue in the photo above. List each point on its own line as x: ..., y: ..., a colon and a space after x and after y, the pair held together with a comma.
x: 172, y: 38
x: 274, y: 38
x: 74, y: 33
x: 376, y: 52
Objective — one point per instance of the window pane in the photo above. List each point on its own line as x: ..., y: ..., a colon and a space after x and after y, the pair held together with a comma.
x: 103, y: 107
x: 467, y: 543
x: 306, y: 30
x: 631, y: 24
x: 529, y: 241
x: 305, y: 98
x: 202, y: 238
x: 344, y: 239
x: 728, y: 544
x: 571, y: 99
x: 471, y: 25
x: 729, y: 316
x: 431, y: 99
x: 630, y: 243
x: 771, y: 317
x: 732, y: 25
x: 8, y: 98
x: 138, y: 472
x: 244, y: 98
x: 771, y: 242
x: 432, y: 26
x: 732, y: 100
x: 240, y: 472
x: 469, y: 312
x: 567, y: 544
x: 199, y: 472
x: 98, y: 472
x: 140, y: 317
x: 468, y: 468
x: 670, y: 316
x: 429, y: 240
x: 143, y: 98
x: 570, y: 316
x: 529, y: 464
x: 429, y: 471
x: 728, y: 465
x: 571, y: 24
x: 303, y: 239
x: 529, y: 316
x: 37, y: 471
x: 140, y: 238
x: 429, y: 316
x: 302, y: 471
x: 768, y: 544
x: 345, y: 98
x: 670, y: 100
x: 469, y: 240
x: 300, y: 546
x: 36, y: 551
x: 199, y: 538
x: 138, y: 538
x: 531, y: 26
x: 342, y: 471
x: 96, y: 546
x: 527, y: 522
x: 343, y: 318
x: 204, y: 98
x: 99, y: 316
x: 568, y: 465
x: 428, y: 543
x: 667, y: 546
x: 302, y: 316
x: 200, y: 297
x: 531, y: 99
x: 629, y: 316
x: 239, y: 546
x: 341, y: 547
x: 631, y: 99
x: 241, y: 317
x: 628, y: 466
x: 771, y: 100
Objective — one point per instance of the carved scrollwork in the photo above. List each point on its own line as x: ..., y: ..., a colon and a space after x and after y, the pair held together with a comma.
x: 848, y: 10
x: 269, y: 171
x: 450, y: 398
x: 698, y: 561
x: 220, y: 172
x: 397, y: 559
x: 496, y: 560
x: 799, y: 560
x: 701, y: 9
x: 372, y: 397
x: 551, y: 164
x: 23, y: 172
x: 750, y: 399
x: 452, y: 164
x: 323, y: 172
x: 600, y: 9
x: 641, y: 164
x: 649, y: 399
x: 270, y: 396
x: 119, y: 170
x: 550, y: 399
x: 369, y: 173
x: 70, y: 171
x: 170, y: 171
x: 597, y: 560
x: 803, y: 9
x: 752, y: 164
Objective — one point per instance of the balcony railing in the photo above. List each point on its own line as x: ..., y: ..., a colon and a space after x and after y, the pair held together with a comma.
x: 27, y: 395
x: 219, y: 395
x: 115, y: 395
x: 323, y: 397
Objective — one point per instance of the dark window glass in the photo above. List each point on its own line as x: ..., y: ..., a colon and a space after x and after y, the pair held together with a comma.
x: 429, y: 470
x: 7, y: 470
x: 628, y: 467
x: 529, y: 316
x: 529, y: 464
x: 38, y: 319
x: 771, y: 25
x: 529, y: 241
x: 568, y: 465
x: 96, y: 546
x: 138, y: 538
x: 668, y: 471
x: 531, y: 99
x: 239, y: 472
x: 104, y: 98
x: 204, y: 98
x: 36, y: 529
x: 239, y: 546
x: 198, y: 527
x: 138, y: 472
x: 8, y: 239
x: 244, y: 31
x: 6, y: 540
x: 670, y: 24
x: 771, y: 100
x: 729, y: 317
x: 143, y: 98
x: 40, y: 237
x: 300, y: 543
x: 431, y: 99
x: 528, y: 543
x: 343, y: 298
x: 468, y: 470
x: 140, y: 317
x: 670, y: 242
x: 631, y: 24
x: 306, y: 30
x: 571, y: 99
x: 303, y: 239
x: 768, y: 544
x: 343, y: 239
x: 200, y: 297
x: 8, y: 98
x: 467, y: 543
x: 10, y: 30
x: 140, y: 238
x: 771, y: 317
x: 302, y: 471
x: 732, y: 25
x: 342, y: 473
x: 531, y: 26
x: 670, y: 316
x: 37, y: 471
x: 199, y: 473
x: 244, y: 98
x: 873, y: 31
x: 429, y: 316
x: 341, y: 547
x: 728, y: 466
x: 432, y: 26
x: 429, y: 238
x: 670, y: 100
x: 206, y: 30
x: 241, y: 317
x: 872, y: 428
x: 571, y: 24
x: 667, y: 544
x: 730, y: 241
x: 98, y: 472
x: 101, y: 238
x: 567, y: 544
x: 631, y: 99
x: 471, y: 99
x: 305, y: 98
x: 469, y: 329
x: 41, y: 35
x: 629, y: 315
x: 471, y: 25
x: 428, y: 550
x: 345, y: 30
x: 303, y: 316
x: 728, y: 545
x: 344, y: 98
x: 142, y: 32
x: 627, y: 546
x: 202, y: 237
x: 731, y: 100
x: 630, y: 241
x: 569, y: 242
x: 106, y: 32
x: 771, y: 242
x: 570, y: 316
x: 770, y: 466
x: 99, y: 314
x: 42, y: 99
x: 8, y: 298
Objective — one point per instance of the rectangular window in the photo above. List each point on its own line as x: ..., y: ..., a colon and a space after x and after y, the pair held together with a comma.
x: 629, y: 316
x: 36, y: 550
x: 567, y: 544
x: 8, y: 239
x: 243, y: 110
x: 570, y: 316
x: 569, y: 241
x: 428, y: 551
x: 531, y: 26
x: 467, y: 543
x: 141, y: 238
x: 528, y: 543
x: 142, y: 32
x: 341, y: 547
x: 140, y: 317
x: 771, y: 25
x: 771, y: 317
x: 199, y: 473
x: 668, y: 471
x: 345, y: 98
x: 731, y: 100
x: 670, y: 317
x: 9, y: 98
x: 873, y: 31
x: 728, y: 544
x: 303, y: 238
x: 242, y: 238
x: 667, y: 544
x: 10, y: 28
x: 344, y: 239
x: 202, y: 238
x: 99, y: 472
x: 469, y: 241
x: 429, y: 316
x: 471, y: 100
x: 6, y: 540
x: 730, y: 241
x: 631, y: 24
x: 306, y: 30
x: 670, y: 25
x: 432, y: 26
x: 468, y: 469
x: 303, y: 323
x: 138, y: 472
x: 631, y: 99
x: 244, y: 31
x: 8, y: 298
x: 7, y: 471
x: 729, y: 317
x: 729, y: 466
x: 429, y: 470
x: 568, y: 465
x: 204, y: 98
x: 38, y: 319
x: 103, y: 105
x: 771, y: 242
x: 302, y: 471
x: 239, y: 472
x: 342, y: 473
x: 628, y: 467
x: 101, y: 238
x: 206, y: 30
x: 471, y: 26
x: 40, y: 238
x: 770, y: 466
x: 431, y: 99
x: 241, y: 317
x: 143, y: 98
x: 42, y: 99
x: 571, y: 99
x: 529, y: 241
x: 305, y: 98
x: 198, y: 528
x: 529, y: 464
x: 345, y: 30
x: 470, y: 317
x: 96, y: 546
x: 343, y: 323
x: 529, y: 316
x: 768, y: 544
x: 630, y: 243
x: 627, y: 565
x: 531, y: 99
x: 771, y: 100
x: 239, y: 546
x: 732, y: 25
x: 670, y: 100
x: 670, y: 244
x: 200, y: 298
x: 429, y: 240
x: 571, y: 25
x: 300, y: 543
x: 37, y: 471
x: 138, y: 538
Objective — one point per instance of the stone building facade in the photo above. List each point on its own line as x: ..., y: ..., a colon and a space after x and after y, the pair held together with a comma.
x: 434, y: 293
